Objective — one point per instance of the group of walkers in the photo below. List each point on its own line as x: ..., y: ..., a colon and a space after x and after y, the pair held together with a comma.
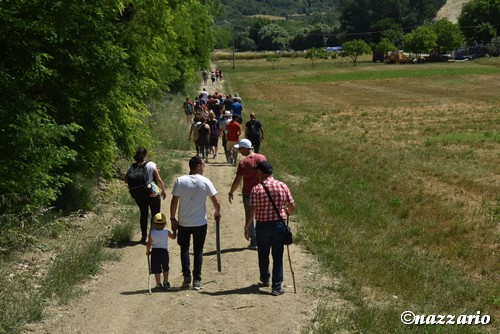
x: 267, y: 201
x: 214, y: 117
x: 215, y: 75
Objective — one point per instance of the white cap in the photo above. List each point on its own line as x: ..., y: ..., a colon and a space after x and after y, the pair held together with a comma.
x: 244, y: 143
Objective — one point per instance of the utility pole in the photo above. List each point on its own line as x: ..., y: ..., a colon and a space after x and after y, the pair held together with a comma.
x: 232, y: 30
x: 232, y: 33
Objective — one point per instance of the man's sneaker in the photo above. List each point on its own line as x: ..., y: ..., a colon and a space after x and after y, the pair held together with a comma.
x: 252, y: 246
x: 166, y: 285
x: 157, y: 287
x: 197, y: 285
x: 278, y: 291
x: 265, y: 283
x: 186, y: 283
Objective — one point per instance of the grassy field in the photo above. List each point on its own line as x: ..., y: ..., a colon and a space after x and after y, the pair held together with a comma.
x: 395, y: 169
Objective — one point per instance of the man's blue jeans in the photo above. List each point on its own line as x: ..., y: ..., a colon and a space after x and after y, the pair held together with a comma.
x: 270, y: 236
x: 246, y: 205
x: 183, y: 240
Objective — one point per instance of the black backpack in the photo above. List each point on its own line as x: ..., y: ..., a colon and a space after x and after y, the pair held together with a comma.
x: 137, y: 180
x: 253, y: 130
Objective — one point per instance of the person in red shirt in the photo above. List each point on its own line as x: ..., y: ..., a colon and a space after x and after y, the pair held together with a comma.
x: 233, y: 137
x: 248, y: 174
x: 270, y: 227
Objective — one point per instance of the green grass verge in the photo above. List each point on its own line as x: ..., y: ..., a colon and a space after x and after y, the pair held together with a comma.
x: 24, y: 294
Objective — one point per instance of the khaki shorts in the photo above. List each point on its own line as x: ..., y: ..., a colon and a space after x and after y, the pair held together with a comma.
x: 230, y: 145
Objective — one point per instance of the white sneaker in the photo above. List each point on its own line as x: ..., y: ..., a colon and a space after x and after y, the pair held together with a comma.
x: 197, y: 285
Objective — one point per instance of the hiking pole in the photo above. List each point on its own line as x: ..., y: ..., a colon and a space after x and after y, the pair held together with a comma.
x: 149, y: 275
x: 217, y: 244
x: 290, y: 262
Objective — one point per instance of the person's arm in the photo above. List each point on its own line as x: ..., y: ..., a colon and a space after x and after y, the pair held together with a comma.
x: 289, y: 208
x: 234, y: 186
x: 216, y: 203
x: 261, y: 133
x: 172, y: 235
x: 160, y: 183
x: 246, y: 131
x: 173, y: 210
x: 248, y: 221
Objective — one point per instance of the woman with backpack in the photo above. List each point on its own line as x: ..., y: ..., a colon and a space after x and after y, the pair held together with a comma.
x: 214, y: 134
x: 146, y: 186
x: 204, y: 138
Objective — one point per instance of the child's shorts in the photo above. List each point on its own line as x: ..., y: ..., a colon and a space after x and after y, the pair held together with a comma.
x: 159, y: 260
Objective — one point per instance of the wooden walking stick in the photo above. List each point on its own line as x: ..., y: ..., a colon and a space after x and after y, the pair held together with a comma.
x: 290, y: 261
x: 217, y: 244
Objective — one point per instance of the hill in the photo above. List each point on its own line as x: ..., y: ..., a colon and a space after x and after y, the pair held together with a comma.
x: 451, y: 10
x: 277, y: 7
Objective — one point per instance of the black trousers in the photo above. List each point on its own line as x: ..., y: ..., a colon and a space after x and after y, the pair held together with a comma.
x: 146, y: 204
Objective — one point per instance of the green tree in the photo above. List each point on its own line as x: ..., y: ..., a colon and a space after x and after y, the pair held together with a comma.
x: 383, y: 47
x: 449, y: 36
x: 75, y: 79
x: 273, y: 58
x: 389, y: 30
x: 273, y: 37
x: 313, y: 54
x: 421, y: 40
x: 494, y: 47
x: 243, y: 42
x: 479, y: 20
x: 355, y: 48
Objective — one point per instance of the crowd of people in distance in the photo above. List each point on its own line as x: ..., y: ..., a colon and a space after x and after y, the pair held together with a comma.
x: 215, y: 75
x: 217, y: 116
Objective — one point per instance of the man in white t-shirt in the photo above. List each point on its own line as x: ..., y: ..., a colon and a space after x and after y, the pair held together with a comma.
x: 189, y: 196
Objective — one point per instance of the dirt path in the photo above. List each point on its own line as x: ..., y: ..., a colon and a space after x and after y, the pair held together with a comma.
x: 231, y: 302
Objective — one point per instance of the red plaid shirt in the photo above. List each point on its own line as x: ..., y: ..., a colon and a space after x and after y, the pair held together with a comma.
x: 279, y: 192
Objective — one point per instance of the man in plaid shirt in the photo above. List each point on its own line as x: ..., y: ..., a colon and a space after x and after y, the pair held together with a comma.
x: 270, y: 227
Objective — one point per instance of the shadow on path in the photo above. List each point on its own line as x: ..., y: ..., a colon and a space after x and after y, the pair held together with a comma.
x: 252, y: 289
x: 227, y: 250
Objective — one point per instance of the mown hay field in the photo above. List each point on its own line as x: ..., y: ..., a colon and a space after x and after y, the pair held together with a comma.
x: 395, y: 170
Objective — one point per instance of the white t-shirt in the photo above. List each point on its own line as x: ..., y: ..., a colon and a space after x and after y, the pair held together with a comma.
x: 150, y: 168
x: 160, y: 238
x: 192, y: 191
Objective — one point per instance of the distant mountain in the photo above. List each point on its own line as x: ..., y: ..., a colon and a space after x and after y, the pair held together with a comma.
x: 451, y: 9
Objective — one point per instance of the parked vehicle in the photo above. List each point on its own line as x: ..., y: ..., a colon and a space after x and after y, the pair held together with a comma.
x: 378, y: 57
x: 398, y: 57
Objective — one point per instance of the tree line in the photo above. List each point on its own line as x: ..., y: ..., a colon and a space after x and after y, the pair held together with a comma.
x: 370, y: 21
x: 75, y: 78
